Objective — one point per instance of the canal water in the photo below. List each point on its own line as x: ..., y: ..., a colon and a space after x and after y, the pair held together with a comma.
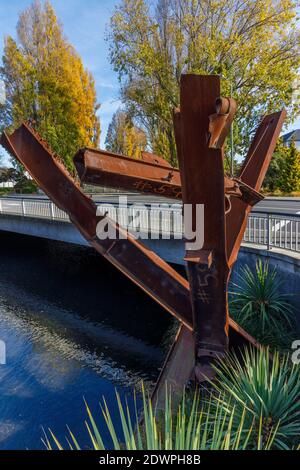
x: 74, y: 329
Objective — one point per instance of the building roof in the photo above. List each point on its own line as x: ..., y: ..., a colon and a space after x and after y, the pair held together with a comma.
x: 293, y: 135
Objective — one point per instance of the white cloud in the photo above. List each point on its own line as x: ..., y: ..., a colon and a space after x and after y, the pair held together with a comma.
x: 106, y: 84
x: 108, y: 107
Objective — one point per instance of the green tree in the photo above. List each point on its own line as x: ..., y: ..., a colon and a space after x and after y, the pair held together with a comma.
x: 47, y: 84
x: 22, y: 183
x: 272, y: 181
x: 290, y: 173
x: 252, y: 44
x: 123, y: 137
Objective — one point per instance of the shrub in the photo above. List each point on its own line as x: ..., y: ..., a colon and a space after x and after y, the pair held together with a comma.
x: 258, y: 304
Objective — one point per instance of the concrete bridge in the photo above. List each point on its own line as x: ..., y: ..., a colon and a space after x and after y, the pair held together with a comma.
x: 269, y: 236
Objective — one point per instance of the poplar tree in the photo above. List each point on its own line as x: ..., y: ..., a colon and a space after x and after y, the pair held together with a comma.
x: 123, y: 137
x: 47, y: 84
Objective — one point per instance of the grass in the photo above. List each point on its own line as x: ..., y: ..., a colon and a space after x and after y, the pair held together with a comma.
x: 6, y: 191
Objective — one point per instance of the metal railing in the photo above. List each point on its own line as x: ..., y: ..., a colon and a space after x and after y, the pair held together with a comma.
x: 31, y: 207
x: 273, y: 231
x: 269, y: 230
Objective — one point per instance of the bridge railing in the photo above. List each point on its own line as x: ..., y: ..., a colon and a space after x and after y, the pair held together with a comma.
x: 273, y: 230
x: 31, y: 207
x: 268, y: 230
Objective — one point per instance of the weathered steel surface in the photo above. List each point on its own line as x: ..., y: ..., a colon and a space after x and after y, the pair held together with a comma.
x: 202, y: 179
x: 107, y: 169
x: 252, y: 174
x: 141, y: 265
x: 151, y: 175
x: 220, y: 122
x: 154, y: 159
x: 178, y: 367
x: 138, y: 263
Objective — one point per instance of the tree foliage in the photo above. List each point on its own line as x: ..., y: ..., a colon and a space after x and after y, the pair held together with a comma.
x: 47, y: 84
x: 125, y: 138
x: 290, y: 176
x: 252, y: 44
x: 284, y: 170
x: 22, y: 183
x: 273, y: 177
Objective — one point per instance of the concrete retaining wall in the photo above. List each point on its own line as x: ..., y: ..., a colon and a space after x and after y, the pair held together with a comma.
x: 288, y: 264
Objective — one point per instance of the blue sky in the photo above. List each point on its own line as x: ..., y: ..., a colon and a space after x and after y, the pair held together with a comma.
x: 84, y: 24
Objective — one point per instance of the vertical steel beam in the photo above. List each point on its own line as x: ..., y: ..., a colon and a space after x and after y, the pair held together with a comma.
x: 202, y: 180
x: 253, y: 172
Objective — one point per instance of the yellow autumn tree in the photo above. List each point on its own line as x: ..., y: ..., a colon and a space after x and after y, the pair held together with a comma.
x: 47, y: 84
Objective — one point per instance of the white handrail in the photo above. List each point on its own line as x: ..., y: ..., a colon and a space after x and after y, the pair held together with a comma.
x: 268, y: 230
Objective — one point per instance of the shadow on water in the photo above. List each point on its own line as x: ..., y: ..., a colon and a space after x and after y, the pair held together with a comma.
x: 74, y: 327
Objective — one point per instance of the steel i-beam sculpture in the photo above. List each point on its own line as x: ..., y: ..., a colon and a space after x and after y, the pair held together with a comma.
x: 201, y: 126
x: 200, y: 304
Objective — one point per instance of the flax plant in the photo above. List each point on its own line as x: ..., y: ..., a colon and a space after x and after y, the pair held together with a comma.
x: 263, y: 392
x: 259, y: 304
x: 183, y: 428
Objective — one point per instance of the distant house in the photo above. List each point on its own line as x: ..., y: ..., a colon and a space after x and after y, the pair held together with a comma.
x: 292, y: 136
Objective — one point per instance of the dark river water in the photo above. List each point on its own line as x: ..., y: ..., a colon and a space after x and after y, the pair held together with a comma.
x: 74, y: 328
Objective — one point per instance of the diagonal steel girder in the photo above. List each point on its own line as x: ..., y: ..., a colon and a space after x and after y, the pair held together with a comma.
x: 127, y: 254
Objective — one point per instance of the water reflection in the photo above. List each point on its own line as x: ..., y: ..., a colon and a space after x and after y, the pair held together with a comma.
x: 73, y: 327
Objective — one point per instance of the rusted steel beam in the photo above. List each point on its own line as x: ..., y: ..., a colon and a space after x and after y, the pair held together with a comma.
x: 202, y: 179
x: 220, y: 122
x: 178, y: 368
x: 117, y: 171
x: 252, y: 174
x: 138, y: 263
x: 151, y: 175
x: 132, y: 258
